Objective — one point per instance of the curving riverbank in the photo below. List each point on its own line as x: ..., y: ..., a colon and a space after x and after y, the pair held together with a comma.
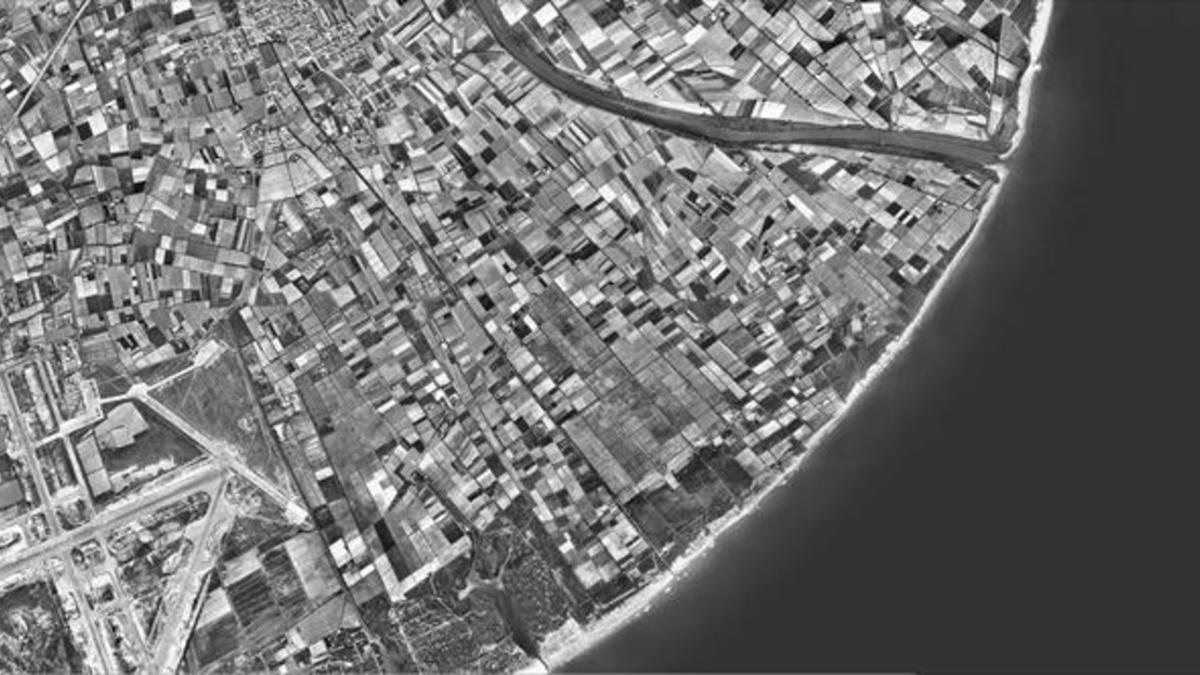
x: 985, y: 158
x: 976, y: 156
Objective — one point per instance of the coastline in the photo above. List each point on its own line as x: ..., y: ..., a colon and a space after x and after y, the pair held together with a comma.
x: 572, y: 639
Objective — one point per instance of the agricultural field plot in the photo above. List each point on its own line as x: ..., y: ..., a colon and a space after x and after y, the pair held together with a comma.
x: 330, y: 639
x: 34, y: 637
x: 259, y: 591
x: 98, y: 364
x: 216, y: 400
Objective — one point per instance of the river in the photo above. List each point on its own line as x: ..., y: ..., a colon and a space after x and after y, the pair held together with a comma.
x: 1016, y: 490
x: 734, y: 131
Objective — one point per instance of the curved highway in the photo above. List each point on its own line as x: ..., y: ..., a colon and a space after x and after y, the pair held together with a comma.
x: 727, y: 131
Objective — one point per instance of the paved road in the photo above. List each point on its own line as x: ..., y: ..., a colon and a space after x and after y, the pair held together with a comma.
x: 728, y: 131
x: 202, y: 477
x: 50, y: 56
x: 223, y: 452
x: 226, y: 454
x: 186, y: 585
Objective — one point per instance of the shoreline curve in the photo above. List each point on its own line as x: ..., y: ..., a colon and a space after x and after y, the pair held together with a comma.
x: 572, y: 640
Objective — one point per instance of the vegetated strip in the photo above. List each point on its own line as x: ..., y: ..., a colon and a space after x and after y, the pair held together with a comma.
x: 723, y: 130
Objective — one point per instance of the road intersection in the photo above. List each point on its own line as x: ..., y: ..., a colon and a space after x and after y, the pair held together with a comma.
x: 161, y: 650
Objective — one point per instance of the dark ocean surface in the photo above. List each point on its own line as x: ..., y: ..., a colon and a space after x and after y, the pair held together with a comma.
x: 1020, y: 489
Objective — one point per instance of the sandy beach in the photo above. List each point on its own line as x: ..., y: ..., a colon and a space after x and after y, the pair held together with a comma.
x: 572, y: 641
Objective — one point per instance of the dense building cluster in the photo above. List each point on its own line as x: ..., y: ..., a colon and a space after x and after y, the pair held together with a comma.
x: 507, y: 353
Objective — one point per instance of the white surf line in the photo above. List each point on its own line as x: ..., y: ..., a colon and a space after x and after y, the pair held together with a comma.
x: 581, y: 639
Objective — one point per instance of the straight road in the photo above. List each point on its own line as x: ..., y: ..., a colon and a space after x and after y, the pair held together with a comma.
x: 726, y: 131
x: 180, y: 599
x: 50, y: 56
x: 26, y: 443
x: 226, y: 454
x: 203, y: 477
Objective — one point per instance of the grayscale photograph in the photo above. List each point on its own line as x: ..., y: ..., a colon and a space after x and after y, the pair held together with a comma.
x: 606, y: 336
